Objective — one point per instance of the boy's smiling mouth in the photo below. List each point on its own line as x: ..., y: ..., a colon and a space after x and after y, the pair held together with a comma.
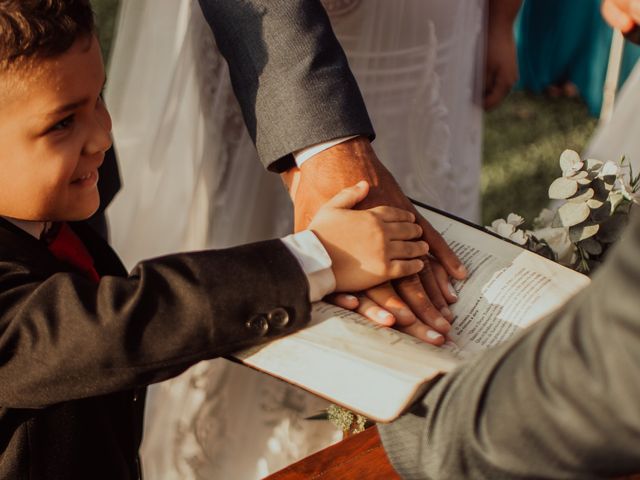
x: 86, y: 179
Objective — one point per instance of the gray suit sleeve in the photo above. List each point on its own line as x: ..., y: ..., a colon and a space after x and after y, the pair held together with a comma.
x: 289, y: 73
x: 560, y: 401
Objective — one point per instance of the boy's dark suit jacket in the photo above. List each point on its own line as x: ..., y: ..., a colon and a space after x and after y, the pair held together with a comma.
x: 67, y: 344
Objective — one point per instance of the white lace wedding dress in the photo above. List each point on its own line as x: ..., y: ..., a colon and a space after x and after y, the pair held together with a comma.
x: 192, y: 180
x: 618, y: 138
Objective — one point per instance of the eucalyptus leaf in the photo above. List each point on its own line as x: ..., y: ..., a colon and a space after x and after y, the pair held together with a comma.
x: 591, y: 164
x: 615, y: 198
x: 601, y: 214
x: 594, y: 203
x: 562, y: 188
x: 582, y: 232
x: 601, y: 190
x: 591, y: 246
x: 611, y: 230
x: 573, y: 213
x: 579, y: 175
x: 568, y: 159
x: 609, y: 181
x: 584, y: 181
x: 582, y: 196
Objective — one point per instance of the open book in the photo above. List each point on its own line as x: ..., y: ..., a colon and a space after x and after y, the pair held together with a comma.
x: 378, y: 371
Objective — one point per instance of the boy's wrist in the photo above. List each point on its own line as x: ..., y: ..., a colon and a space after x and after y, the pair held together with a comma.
x: 314, y: 261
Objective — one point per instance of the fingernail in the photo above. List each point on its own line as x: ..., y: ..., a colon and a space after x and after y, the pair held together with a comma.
x: 462, y: 270
x: 452, y: 291
x: 350, y: 297
x: 433, y: 335
x: 384, y: 316
x: 442, y: 325
x: 361, y: 184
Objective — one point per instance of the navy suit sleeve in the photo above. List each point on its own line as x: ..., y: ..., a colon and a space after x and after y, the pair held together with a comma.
x: 289, y: 74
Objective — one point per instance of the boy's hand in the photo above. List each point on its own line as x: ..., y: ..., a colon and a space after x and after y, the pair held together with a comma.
x: 368, y: 247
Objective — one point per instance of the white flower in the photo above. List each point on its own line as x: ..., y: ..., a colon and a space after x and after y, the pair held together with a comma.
x: 509, y: 228
x: 608, y: 169
x: 558, y: 240
x: 515, y: 219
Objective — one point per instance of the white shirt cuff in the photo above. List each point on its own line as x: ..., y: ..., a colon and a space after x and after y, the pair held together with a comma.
x: 305, y: 154
x: 315, y: 262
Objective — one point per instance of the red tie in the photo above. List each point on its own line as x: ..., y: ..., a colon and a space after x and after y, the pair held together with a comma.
x: 67, y: 247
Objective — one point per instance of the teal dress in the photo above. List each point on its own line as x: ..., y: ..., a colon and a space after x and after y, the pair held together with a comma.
x: 567, y: 40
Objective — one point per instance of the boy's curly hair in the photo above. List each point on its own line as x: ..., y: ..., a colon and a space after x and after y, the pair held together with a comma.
x: 41, y: 28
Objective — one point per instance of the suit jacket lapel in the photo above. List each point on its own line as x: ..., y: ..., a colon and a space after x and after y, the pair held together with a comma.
x: 105, y: 259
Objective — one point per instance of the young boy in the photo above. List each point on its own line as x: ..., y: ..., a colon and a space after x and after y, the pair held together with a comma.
x: 79, y: 338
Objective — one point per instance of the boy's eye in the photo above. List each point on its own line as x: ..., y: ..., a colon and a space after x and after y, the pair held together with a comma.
x: 62, y: 124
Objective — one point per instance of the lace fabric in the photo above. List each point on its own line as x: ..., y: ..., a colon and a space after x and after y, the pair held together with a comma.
x: 192, y: 180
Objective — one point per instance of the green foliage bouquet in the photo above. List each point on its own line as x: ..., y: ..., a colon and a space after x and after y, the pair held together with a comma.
x: 594, y: 201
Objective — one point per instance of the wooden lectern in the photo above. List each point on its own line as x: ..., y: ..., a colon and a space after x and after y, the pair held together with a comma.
x: 355, y: 458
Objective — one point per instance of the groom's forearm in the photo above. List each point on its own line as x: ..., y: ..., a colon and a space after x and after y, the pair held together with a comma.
x: 289, y: 73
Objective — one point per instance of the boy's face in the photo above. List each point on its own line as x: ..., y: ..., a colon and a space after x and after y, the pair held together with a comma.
x: 54, y: 131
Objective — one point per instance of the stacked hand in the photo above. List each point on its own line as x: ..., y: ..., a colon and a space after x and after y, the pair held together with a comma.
x: 367, y: 247
x: 417, y: 304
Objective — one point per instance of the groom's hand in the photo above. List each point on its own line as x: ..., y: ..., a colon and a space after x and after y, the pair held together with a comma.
x: 424, y: 297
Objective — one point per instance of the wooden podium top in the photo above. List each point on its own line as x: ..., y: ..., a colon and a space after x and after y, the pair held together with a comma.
x: 357, y: 457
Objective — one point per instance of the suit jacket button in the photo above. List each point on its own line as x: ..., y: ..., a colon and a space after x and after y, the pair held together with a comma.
x: 278, y: 318
x: 258, y: 325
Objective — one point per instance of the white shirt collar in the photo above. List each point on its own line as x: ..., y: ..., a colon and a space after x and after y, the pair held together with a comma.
x: 35, y: 229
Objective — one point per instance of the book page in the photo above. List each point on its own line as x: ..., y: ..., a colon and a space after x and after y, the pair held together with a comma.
x: 378, y: 371
x: 508, y: 288
x: 349, y: 360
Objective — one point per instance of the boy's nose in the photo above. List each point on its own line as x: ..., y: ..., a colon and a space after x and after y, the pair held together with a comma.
x: 100, y: 139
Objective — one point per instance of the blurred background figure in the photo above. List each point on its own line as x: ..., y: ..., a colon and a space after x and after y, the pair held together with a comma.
x: 616, y: 138
x: 563, y: 49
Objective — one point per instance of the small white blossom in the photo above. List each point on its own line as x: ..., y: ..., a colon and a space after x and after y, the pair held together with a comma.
x: 509, y: 228
x: 515, y: 219
x: 608, y: 169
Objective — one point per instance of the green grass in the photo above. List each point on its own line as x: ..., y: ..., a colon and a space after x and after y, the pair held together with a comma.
x: 523, y: 140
